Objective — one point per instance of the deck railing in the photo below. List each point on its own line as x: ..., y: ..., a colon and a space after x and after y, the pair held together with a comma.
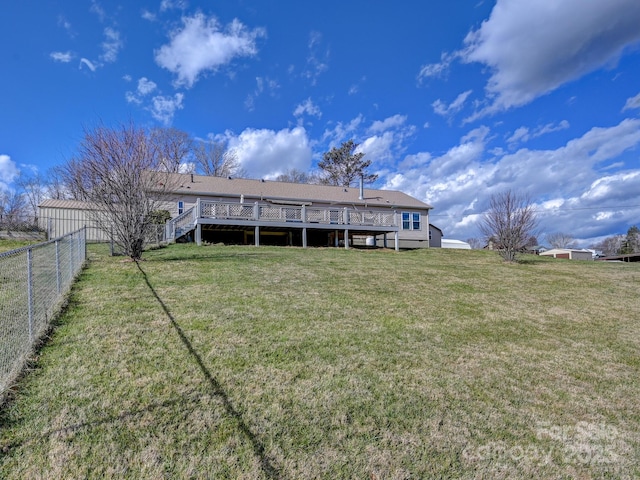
x: 286, y: 213
x: 184, y: 222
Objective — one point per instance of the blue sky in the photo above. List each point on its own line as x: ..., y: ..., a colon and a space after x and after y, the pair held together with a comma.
x: 451, y: 100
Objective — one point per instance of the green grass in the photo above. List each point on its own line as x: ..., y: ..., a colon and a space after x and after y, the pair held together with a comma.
x: 7, y: 244
x: 242, y: 362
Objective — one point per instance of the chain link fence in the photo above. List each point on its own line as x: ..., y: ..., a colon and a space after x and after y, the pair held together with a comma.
x: 33, y: 283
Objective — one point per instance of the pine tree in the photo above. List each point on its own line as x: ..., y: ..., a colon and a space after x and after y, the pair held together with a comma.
x: 343, y: 167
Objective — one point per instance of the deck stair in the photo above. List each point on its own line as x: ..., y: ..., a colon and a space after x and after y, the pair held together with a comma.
x: 182, y: 225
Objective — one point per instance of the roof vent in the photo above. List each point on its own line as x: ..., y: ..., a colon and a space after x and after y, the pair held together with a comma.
x: 262, y: 180
x: 229, y: 177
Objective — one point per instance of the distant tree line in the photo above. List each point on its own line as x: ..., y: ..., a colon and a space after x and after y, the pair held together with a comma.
x: 620, y: 244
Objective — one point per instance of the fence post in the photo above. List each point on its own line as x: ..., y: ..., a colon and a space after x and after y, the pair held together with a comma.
x: 58, y: 273
x: 30, y: 293
x: 71, y: 255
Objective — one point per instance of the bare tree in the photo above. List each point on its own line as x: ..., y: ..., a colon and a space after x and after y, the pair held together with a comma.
x: 342, y: 166
x: 509, y: 223
x: 561, y: 240
x: 294, y: 175
x: 33, y: 189
x: 213, y: 158
x: 121, y: 171
x: 12, y: 210
x: 175, y: 147
x: 55, y: 187
x: 610, y: 245
x: 475, y: 243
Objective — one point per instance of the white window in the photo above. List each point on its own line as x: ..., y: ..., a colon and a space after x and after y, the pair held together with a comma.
x: 180, y: 208
x: 411, y: 221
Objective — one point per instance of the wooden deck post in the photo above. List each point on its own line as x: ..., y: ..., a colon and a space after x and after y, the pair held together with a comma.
x: 346, y: 239
x: 257, y: 236
x: 199, y: 234
x: 395, y: 234
x: 304, y: 237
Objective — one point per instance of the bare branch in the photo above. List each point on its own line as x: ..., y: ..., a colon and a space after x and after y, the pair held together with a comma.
x: 561, y: 240
x: 213, y: 158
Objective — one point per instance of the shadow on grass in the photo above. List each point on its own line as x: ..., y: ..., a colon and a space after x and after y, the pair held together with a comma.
x: 267, y: 467
x: 204, y: 257
x: 531, y: 260
x: 182, y: 402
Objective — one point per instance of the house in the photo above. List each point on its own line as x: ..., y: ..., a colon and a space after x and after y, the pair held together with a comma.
x: 568, y: 253
x: 244, y: 211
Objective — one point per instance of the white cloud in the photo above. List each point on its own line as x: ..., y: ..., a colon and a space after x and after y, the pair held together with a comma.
x: 378, y: 148
x: 382, y: 142
x: 386, y: 140
x: 64, y: 23
x: 8, y: 172
x: 267, y: 153
x: 523, y: 134
x: 620, y: 187
x: 98, y: 10
x: 569, y: 185
x: 149, y: 16
x: 317, y: 59
x: 145, y: 87
x: 307, y: 108
x: 170, y: 4
x: 202, y: 45
x: 163, y: 108
x: 262, y: 84
x: 533, y: 47
x: 111, y: 45
x: 394, y: 121
x: 437, y: 69
x: 632, y: 103
x: 88, y: 63
x: 63, y: 57
x: 341, y: 131
x: 443, y: 109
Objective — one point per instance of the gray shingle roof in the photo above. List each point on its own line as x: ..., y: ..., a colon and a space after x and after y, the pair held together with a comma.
x: 270, y: 190
x: 205, y: 186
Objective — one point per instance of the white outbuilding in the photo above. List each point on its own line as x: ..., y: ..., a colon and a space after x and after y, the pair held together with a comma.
x: 451, y: 243
x: 568, y: 253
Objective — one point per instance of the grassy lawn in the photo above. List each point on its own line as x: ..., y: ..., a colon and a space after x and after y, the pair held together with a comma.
x: 242, y: 362
x: 7, y: 244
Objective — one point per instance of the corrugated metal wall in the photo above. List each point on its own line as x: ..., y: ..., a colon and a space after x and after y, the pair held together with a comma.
x: 61, y: 221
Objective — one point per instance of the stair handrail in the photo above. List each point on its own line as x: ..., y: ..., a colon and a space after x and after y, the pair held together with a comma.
x: 185, y: 219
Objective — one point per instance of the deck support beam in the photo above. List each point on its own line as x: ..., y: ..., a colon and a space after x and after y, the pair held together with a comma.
x: 346, y: 239
x: 198, y: 234
x: 304, y: 237
x: 257, y: 236
x: 395, y: 235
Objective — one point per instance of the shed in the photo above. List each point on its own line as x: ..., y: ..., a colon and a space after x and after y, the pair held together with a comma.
x: 451, y: 243
x: 569, y: 253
